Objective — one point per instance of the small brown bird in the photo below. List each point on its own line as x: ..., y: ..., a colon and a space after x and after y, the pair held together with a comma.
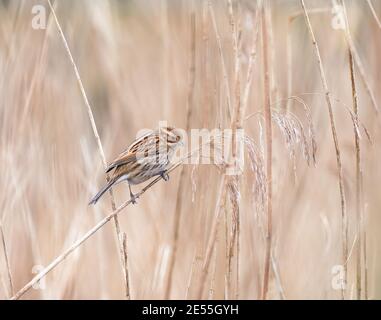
x: 147, y: 157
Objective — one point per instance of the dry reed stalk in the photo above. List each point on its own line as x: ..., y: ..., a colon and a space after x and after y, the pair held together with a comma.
x: 273, y: 78
x: 238, y: 242
x: 236, y: 124
x: 299, y: 13
x: 205, y: 73
x: 181, y: 188
x: 364, y: 248
x: 166, y: 58
x: 36, y: 74
x: 359, y: 209
x: 213, y: 233
x: 212, y: 281
x: 290, y: 20
x: 337, y: 147
x: 193, y: 266
x: 268, y: 133
x: 243, y: 118
x: 227, y: 257
x: 7, y: 264
x: 356, y: 56
x: 250, y: 68
x: 358, y: 180
x: 278, y: 281
x: 289, y: 64
x: 119, y: 236
x: 225, y: 181
x: 221, y: 52
x: 374, y: 13
x: 60, y: 258
x: 361, y: 69
x: 125, y: 261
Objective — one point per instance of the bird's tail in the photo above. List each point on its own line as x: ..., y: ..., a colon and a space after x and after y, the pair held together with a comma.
x: 102, y: 191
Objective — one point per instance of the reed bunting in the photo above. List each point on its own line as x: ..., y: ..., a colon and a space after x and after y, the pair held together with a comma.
x: 147, y: 157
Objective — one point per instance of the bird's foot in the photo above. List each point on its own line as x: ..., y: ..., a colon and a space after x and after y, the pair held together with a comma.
x: 164, y: 175
x: 133, y: 198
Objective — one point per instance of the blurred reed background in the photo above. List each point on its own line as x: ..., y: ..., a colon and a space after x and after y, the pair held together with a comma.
x: 145, y: 61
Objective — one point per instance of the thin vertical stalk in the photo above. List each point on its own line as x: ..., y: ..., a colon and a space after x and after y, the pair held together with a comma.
x: 374, y: 13
x: 358, y: 178
x: 180, y: 192
x: 337, y: 147
x: 213, y: 233
x: 166, y: 58
x: 268, y: 133
x: 61, y: 257
x: 122, y: 253
x: 273, y: 77
x: 235, y: 124
x: 359, y: 208
x: 125, y: 261
x: 289, y: 63
x: 365, y: 262
x: 221, y: 52
x: 9, y: 273
x: 212, y: 282
x: 358, y: 62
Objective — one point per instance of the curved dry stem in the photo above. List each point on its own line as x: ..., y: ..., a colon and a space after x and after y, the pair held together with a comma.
x: 355, y: 119
x: 336, y: 143
x: 6, y: 257
x: 376, y: 18
x: 119, y: 235
x: 59, y: 259
x: 177, y: 218
x: 268, y: 132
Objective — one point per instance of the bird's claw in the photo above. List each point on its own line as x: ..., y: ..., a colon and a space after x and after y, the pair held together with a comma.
x: 165, y: 176
x: 133, y: 198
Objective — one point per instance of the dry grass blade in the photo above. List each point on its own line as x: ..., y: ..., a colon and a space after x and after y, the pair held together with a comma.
x: 290, y: 21
x: 221, y: 52
x: 125, y: 261
x: 5, y: 250
x: 359, y: 209
x: 268, y: 133
x: 122, y: 253
x: 235, y: 124
x: 177, y: 218
x: 59, y: 259
x: 213, y: 234
x: 77, y: 83
x: 336, y: 142
x: 376, y: 18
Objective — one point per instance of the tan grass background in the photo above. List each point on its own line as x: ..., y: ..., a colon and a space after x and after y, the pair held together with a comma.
x: 133, y: 58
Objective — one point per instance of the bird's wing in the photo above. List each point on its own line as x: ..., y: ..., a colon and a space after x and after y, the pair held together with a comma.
x: 123, y: 158
x: 136, y: 147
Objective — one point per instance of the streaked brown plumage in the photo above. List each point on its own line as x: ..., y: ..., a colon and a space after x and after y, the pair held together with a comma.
x: 146, y: 157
